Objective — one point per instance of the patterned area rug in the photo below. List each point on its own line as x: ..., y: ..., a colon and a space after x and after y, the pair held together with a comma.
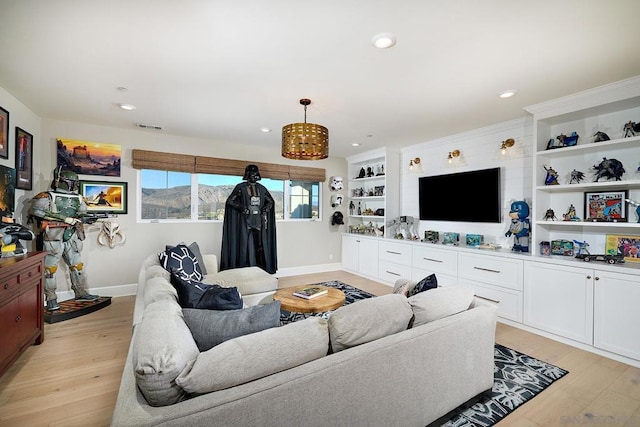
x: 517, y: 377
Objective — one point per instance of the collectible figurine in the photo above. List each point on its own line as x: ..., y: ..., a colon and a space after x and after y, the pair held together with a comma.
x: 570, y: 215
x: 609, y: 168
x: 637, y: 204
x: 449, y: 238
x: 474, y: 240
x: 631, y: 129
x: 550, y: 215
x: 352, y: 207
x: 563, y: 141
x: 431, y: 236
x: 552, y: 176
x: 59, y: 215
x: 337, y: 218
x: 600, y: 136
x: 576, y: 176
x: 337, y: 183
x: 520, y: 226
x: 336, y: 200
x: 582, y: 247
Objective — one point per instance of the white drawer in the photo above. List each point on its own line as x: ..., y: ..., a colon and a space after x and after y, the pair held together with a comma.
x: 494, y: 270
x: 436, y: 260
x: 510, y: 302
x: 390, y: 272
x: 418, y: 274
x: 399, y: 253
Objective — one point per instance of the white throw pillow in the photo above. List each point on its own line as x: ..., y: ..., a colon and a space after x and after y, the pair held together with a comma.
x: 440, y: 302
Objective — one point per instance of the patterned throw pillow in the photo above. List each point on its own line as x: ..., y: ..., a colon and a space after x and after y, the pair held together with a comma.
x: 429, y: 282
x: 182, y: 261
x: 402, y: 287
x: 192, y: 294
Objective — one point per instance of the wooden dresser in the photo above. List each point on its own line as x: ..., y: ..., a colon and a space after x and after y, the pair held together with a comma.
x: 21, y: 305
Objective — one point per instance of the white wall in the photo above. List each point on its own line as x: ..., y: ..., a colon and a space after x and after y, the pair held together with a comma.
x: 480, y: 149
x: 302, y: 246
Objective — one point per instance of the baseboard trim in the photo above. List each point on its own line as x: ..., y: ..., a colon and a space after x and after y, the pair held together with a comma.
x: 308, y: 269
x: 110, y: 291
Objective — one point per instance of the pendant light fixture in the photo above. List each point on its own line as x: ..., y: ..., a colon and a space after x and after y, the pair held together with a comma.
x: 305, y: 141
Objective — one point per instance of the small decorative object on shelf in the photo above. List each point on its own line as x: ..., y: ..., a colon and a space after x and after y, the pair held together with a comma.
x: 474, y: 240
x: 571, y: 214
x: 550, y: 215
x: 431, y: 236
x: 631, y: 129
x: 379, y: 212
x: 583, y: 247
x: 626, y: 246
x: 352, y: 207
x: 609, y: 168
x: 606, y: 206
x: 359, y: 209
x: 380, y: 170
x: 552, y: 176
x: 563, y: 141
x: 337, y: 183
x: 637, y: 205
x: 403, y: 227
x: 519, y: 227
x: 562, y: 247
x: 576, y: 176
x: 609, y: 259
x: 336, y: 200
x: 362, y: 173
x: 449, y: 238
x: 600, y: 136
x: 369, y: 172
x: 545, y: 248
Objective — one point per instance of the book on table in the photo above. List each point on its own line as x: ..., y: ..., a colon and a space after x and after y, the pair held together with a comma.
x: 310, y: 292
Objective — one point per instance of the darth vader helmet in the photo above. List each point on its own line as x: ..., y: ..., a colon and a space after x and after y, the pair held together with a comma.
x: 251, y: 173
x: 337, y: 218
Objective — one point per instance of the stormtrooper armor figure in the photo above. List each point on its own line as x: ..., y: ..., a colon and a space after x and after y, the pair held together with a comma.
x: 60, y: 232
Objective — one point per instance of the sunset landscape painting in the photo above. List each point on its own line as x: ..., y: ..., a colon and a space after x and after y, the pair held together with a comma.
x: 89, y: 158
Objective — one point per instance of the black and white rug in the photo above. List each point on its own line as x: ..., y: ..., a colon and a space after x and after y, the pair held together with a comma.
x: 517, y: 377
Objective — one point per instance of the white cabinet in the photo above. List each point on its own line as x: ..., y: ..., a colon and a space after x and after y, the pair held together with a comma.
x: 360, y: 255
x: 372, y: 190
x: 605, y: 109
x: 616, y: 314
x: 394, y: 261
x: 559, y: 299
x: 429, y: 259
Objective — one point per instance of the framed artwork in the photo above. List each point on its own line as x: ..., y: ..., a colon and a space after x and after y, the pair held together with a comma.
x: 105, y: 196
x: 627, y: 246
x: 606, y: 206
x: 24, y: 159
x: 4, y: 133
x: 7, y: 191
x: 88, y: 158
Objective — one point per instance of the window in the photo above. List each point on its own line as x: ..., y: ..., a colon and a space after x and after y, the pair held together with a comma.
x: 166, y: 195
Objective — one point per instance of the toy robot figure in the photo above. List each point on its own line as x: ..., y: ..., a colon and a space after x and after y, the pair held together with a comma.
x: 59, y: 218
x: 519, y: 227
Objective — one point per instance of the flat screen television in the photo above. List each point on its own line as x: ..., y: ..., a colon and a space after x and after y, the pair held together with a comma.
x: 472, y: 196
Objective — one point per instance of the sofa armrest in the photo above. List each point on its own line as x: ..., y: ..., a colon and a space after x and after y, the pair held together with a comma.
x: 210, y: 263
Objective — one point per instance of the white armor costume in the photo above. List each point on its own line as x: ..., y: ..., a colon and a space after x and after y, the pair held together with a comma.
x: 60, y: 233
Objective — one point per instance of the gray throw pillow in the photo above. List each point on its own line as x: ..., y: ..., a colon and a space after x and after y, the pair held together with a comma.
x: 439, y: 303
x: 211, y: 327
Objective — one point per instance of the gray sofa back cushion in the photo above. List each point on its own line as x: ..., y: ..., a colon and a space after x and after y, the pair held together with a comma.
x: 162, y: 347
x: 212, y: 327
x: 368, y: 320
x: 440, y: 302
x: 254, y: 356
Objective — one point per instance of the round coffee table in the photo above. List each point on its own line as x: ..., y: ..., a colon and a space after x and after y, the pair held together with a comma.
x: 333, y: 299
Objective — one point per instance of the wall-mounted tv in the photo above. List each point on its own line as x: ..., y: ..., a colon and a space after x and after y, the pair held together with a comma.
x: 472, y: 196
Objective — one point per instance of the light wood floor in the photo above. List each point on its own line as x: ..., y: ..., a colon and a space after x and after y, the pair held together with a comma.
x: 72, y: 379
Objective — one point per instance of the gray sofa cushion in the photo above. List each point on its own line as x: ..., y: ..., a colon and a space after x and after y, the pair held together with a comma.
x: 162, y: 347
x: 254, y: 356
x: 439, y: 303
x: 368, y: 320
x: 212, y: 327
x: 249, y: 280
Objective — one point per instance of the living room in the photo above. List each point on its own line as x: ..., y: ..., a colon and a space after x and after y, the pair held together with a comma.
x: 304, y: 246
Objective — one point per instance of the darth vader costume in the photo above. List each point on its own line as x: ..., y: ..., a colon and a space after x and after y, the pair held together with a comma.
x: 249, y: 228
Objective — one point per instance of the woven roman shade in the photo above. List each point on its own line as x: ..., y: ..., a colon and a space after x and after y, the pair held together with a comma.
x: 143, y: 159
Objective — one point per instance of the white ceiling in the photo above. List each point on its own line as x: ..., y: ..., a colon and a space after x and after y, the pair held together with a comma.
x: 222, y: 69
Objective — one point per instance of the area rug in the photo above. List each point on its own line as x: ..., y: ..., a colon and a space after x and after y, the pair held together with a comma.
x: 517, y: 377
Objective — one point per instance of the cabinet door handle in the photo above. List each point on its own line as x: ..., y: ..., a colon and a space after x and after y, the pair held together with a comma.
x: 6, y: 286
x: 394, y: 253
x: 30, y: 274
x: 597, y: 278
x: 18, y: 318
x: 391, y: 272
x: 487, y: 269
x: 589, y: 277
x: 431, y: 259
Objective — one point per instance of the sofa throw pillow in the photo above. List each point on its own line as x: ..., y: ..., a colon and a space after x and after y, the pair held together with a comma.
x: 439, y: 303
x: 212, y: 327
x: 195, y: 249
x: 204, y: 296
x: 429, y: 282
x: 402, y: 287
x: 181, y: 260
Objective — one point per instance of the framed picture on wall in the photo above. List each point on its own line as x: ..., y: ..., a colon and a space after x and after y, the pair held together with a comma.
x: 4, y: 133
x: 606, y: 206
x: 105, y: 196
x: 24, y: 159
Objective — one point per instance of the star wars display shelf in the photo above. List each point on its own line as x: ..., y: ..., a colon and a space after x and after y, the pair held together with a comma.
x: 605, y: 109
x: 372, y: 192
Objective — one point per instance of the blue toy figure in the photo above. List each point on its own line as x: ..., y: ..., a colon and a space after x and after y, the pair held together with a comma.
x: 637, y: 205
x: 519, y: 227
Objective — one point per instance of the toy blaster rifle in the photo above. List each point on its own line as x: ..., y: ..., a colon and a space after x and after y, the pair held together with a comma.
x: 90, y: 218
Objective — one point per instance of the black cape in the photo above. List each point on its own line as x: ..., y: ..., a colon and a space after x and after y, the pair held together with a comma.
x: 238, y: 248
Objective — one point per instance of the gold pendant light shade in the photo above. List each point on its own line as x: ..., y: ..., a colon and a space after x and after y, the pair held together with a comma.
x: 305, y: 141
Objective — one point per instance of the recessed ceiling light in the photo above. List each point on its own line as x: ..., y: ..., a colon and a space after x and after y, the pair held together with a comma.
x: 265, y: 130
x: 128, y: 107
x: 383, y: 40
x: 356, y: 144
x: 507, y: 93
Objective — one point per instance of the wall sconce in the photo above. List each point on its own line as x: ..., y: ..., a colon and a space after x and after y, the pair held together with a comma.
x: 507, y: 143
x: 414, y: 162
x: 453, y: 155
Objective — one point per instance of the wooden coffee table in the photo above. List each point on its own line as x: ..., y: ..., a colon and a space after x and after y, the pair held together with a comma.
x: 333, y: 299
